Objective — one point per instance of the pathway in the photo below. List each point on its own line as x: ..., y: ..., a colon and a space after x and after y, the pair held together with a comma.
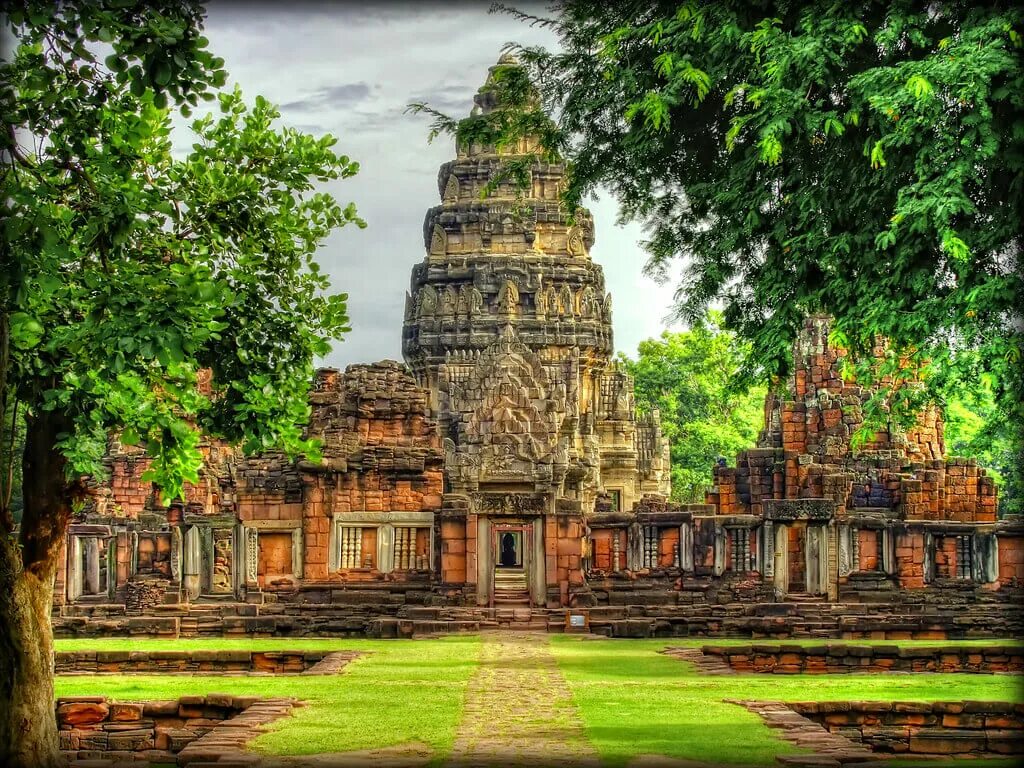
x: 519, y: 711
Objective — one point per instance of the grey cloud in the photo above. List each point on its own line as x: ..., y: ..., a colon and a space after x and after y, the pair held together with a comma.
x: 447, y: 98
x: 331, y: 97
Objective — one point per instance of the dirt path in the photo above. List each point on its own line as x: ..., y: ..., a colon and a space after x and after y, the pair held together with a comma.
x: 519, y: 711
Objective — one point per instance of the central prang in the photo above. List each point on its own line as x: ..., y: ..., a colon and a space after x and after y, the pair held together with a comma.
x: 508, y: 326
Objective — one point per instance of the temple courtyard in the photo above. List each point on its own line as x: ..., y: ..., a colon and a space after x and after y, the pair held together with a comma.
x: 525, y: 698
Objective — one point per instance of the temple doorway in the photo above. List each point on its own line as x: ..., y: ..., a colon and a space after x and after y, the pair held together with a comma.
x: 511, y: 565
x: 801, y: 558
x: 510, y: 549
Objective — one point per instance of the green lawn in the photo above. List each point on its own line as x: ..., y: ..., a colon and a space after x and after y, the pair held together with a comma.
x: 400, y: 692
x: 635, y: 701
x: 632, y: 700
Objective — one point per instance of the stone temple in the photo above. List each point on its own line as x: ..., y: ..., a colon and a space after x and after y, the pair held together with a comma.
x: 502, y: 476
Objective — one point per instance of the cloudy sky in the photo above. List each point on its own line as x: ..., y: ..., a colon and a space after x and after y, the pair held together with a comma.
x: 350, y: 69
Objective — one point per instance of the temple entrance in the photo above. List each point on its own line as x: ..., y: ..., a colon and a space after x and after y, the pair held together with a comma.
x: 511, y: 578
x: 801, y: 558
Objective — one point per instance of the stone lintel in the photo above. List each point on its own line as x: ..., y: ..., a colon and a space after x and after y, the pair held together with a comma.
x: 84, y: 529
x: 664, y: 517
x: 273, y: 525
x: 783, y: 510
x: 375, y: 518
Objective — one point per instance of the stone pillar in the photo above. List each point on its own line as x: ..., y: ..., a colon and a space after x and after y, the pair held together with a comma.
x: 75, y: 581
x: 133, y: 553
x: 485, y: 562
x: 685, y: 547
x: 537, y: 574
x: 845, y: 550
x: 634, y: 547
x: 386, y: 558
x: 297, y: 553
x: 192, y: 562
x: 176, y: 545
x: 252, y: 557
x: 333, y: 546
x: 781, y: 566
x: 766, y: 551
x: 91, y: 577
x: 831, y: 561
x: 990, y: 557
x: 928, y: 566
x: 719, y: 565
x: 812, y: 553
x: 888, y: 540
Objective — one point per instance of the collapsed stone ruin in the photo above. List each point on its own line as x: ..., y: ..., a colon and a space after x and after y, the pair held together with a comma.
x: 504, y: 475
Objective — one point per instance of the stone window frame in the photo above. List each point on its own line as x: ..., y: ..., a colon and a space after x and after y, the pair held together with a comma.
x: 250, y: 549
x: 385, y: 524
x: 75, y: 579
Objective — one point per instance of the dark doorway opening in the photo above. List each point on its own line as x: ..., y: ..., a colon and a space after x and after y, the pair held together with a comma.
x: 510, y: 549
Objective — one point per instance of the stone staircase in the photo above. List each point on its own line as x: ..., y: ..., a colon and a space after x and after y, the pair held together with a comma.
x: 510, y: 588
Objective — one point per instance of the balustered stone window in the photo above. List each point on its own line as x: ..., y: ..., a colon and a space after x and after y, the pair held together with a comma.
x: 964, y: 556
x: 739, y: 550
x: 385, y: 542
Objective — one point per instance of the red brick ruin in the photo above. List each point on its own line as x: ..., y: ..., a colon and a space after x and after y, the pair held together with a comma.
x: 503, y: 476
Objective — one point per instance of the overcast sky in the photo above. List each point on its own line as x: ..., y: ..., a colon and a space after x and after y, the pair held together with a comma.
x: 350, y: 70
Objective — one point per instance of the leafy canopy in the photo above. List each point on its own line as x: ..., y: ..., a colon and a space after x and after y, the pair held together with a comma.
x: 689, y: 378
x: 129, y: 270
x: 858, y: 159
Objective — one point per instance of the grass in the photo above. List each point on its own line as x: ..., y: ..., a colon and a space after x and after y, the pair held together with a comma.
x: 632, y: 700
x: 400, y: 692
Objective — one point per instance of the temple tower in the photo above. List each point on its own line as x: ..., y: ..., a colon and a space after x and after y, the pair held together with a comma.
x: 508, y: 326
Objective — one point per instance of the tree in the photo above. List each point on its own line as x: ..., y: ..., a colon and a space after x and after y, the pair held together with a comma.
x: 126, y: 272
x: 857, y: 159
x: 689, y: 378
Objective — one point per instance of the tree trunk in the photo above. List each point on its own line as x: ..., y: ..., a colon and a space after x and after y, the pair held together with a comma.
x: 28, y: 728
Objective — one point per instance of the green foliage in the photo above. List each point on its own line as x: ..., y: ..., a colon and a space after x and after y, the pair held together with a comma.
x: 129, y: 270
x: 861, y: 160
x: 975, y: 428
x: 689, y: 378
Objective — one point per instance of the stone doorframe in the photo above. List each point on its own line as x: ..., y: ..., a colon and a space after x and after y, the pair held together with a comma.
x: 488, y: 530
x: 82, y: 540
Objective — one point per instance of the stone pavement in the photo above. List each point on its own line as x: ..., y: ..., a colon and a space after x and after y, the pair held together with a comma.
x: 519, y: 711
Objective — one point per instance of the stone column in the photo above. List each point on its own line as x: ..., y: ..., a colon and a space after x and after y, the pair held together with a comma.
x: 766, y: 552
x: 75, y: 581
x: 91, y: 579
x: 719, y: 565
x: 686, y: 547
x: 888, y: 539
x: 176, y: 545
x: 252, y: 557
x: 781, y: 566
x: 133, y: 553
x: 845, y: 550
x: 485, y: 562
x: 537, y: 571
x: 192, y: 562
x: 929, y: 558
x: 386, y: 548
x: 297, y: 553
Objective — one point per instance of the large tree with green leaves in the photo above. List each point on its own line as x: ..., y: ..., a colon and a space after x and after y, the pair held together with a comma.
x: 860, y: 159
x: 126, y: 271
x: 690, y: 377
